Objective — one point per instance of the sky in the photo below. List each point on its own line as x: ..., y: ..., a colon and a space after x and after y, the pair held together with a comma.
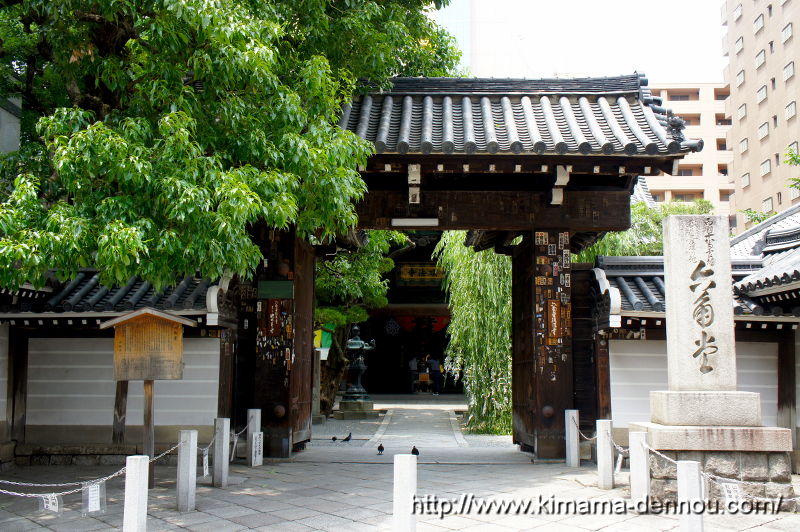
x: 671, y: 41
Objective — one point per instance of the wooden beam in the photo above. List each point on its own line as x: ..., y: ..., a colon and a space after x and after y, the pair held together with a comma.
x: 787, y: 384
x: 18, y: 373
x: 499, y: 210
x: 120, y: 413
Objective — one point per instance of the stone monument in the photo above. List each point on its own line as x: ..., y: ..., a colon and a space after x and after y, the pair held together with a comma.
x: 702, y: 416
x: 356, y: 403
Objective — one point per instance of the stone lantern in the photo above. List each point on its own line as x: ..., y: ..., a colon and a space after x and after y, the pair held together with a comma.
x: 356, y: 404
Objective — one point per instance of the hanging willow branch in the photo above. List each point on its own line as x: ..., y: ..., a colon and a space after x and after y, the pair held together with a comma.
x: 478, y: 286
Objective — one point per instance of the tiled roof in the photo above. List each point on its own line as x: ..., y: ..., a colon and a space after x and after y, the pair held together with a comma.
x: 640, y: 283
x: 602, y: 116
x: 85, y: 294
x: 753, y: 242
x: 641, y: 193
x: 777, y: 274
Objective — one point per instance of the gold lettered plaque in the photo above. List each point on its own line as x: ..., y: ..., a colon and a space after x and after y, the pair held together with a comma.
x: 148, y: 345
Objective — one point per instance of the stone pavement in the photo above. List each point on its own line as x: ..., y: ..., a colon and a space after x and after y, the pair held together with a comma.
x: 349, y: 487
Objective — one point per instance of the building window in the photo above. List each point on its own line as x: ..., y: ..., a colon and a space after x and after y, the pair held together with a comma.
x: 786, y: 33
x: 774, y: 121
x: 737, y: 13
x: 745, y: 180
x: 777, y: 159
x: 722, y: 169
x: 740, y: 78
x: 743, y: 145
x: 766, y: 167
x: 761, y: 94
x: 758, y: 23
x: 771, y: 47
x: 741, y: 112
x: 763, y: 130
x: 721, y: 94
x: 794, y: 193
x: 772, y: 81
x: 766, y: 205
x: 738, y: 45
x: 769, y: 12
x: 788, y: 71
x: 779, y: 197
x: 793, y: 147
x: 725, y: 196
x: 761, y: 58
x: 722, y: 145
x: 791, y: 110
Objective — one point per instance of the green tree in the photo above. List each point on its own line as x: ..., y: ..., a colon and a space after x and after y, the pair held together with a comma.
x: 478, y: 287
x: 347, y: 286
x: 155, y: 132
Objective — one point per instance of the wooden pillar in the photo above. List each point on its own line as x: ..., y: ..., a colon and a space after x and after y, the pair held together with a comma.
x: 120, y: 413
x: 18, y: 373
x: 552, y: 340
x: 227, y: 342
x: 787, y: 384
x: 603, y: 376
x: 148, y: 428
x: 522, y: 361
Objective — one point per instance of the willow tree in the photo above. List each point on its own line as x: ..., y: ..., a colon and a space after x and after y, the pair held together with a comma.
x: 156, y: 132
x: 478, y: 286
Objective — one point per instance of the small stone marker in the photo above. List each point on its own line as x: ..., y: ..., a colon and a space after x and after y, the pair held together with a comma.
x: 134, y: 518
x: 573, y: 438
x: 405, y: 487
x: 187, y: 471
x: 690, y: 492
x: 605, y: 455
x: 222, y: 438
x: 640, y: 465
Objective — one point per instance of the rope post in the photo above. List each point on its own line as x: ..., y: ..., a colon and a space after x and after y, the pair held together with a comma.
x: 187, y: 471
x: 690, y: 496
x: 134, y: 517
x: 405, y: 488
x: 640, y: 465
x: 605, y: 455
x: 222, y: 436
x: 255, y: 438
x: 573, y: 438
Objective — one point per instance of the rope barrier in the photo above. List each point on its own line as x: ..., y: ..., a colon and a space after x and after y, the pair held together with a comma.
x: 84, y: 484
x: 582, y: 435
x: 620, y: 449
x: 207, y: 447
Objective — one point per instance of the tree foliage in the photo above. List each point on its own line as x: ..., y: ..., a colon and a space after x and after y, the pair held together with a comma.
x: 645, y: 237
x: 478, y: 287
x: 155, y: 132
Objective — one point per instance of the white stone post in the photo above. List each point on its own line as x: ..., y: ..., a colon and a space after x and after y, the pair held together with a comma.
x: 187, y: 471
x: 134, y: 516
x: 405, y: 488
x: 255, y: 443
x: 573, y: 438
x: 690, y: 496
x: 222, y: 437
x: 640, y: 465
x: 605, y: 455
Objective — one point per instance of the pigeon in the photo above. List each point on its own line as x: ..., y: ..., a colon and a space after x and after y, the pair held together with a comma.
x: 333, y: 439
x: 414, y: 451
x: 349, y: 437
x: 380, y: 448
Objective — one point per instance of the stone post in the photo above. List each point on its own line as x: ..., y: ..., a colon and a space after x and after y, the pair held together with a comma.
x: 690, y: 496
x: 187, y: 471
x: 222, y: 436
x: 605, y: 455
x: 405, y: 488
x: 640, y: 465
x: 573, y: 438
x: 134, y: 516
x: 253, y: 428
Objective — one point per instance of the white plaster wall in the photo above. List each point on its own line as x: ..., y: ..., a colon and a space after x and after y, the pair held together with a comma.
x: 640, y: 366
x: 71, y: 382
x: 3, y: 372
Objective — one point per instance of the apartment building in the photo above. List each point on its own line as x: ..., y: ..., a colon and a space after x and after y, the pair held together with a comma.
x: 763, y: 52
x: 705, y: 174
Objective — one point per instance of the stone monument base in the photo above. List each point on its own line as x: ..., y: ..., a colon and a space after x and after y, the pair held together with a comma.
x: 769, y: 474
x: 761, y: 455
x: 349, y: 410
x: 714, y: 408
x: 715, y: 438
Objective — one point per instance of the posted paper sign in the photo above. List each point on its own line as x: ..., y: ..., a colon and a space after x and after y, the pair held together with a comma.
x: 732, y: 491
x: 50, y: 503
x: 94, y: 498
